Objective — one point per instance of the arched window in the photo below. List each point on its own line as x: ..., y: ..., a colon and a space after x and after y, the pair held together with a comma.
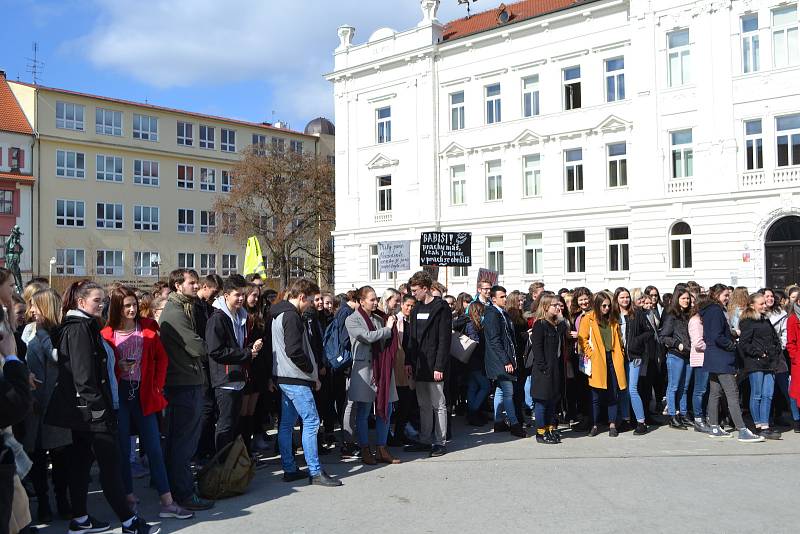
x: 785, y: 229
x: 680, y: 240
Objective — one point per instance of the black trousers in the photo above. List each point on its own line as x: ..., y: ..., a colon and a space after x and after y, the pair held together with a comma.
x: 229, y: 402
x: 325, y: 401
x: 7, y: 472
x: 61, y: 460
x: 407, y: 410
x: 206, y: 447
x: 105, y: 447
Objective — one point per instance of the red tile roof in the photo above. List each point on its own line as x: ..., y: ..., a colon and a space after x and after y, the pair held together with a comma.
x: 17, y: 177
x: 12, y: 119
x: 170, y: 110
x: 518, y: 11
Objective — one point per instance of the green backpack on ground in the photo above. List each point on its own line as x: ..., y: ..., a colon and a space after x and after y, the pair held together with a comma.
x: 229, y: 472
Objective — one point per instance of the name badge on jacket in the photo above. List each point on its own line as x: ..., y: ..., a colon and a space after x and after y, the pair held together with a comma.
x: 423, y: 316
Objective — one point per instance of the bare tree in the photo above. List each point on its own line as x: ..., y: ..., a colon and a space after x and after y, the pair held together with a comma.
x: 286, y: 199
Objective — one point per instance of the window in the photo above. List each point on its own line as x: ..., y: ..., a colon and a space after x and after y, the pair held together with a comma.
x: 384, y: 193
x: 146, y: 263
x: 208, y: 264
x: 185, y: 177
x: 279, y: 145
x: 70, y: 164
x: 530, y: 96
x: 69, y: 116
x: 494, y: 180
x: 754, y: 154
x: 185, y: 220
x: 572, y: 88
x: 494, y: 254
x: 296, y: 266
x: 16, y: 158
x: 750, y: 46
x: 70, y: 213
x: 109, y: 216
x: 615, y: 79
x: 109, y: 263
x: 682, y: 154
x: 785, y: 44
x: 109, y: 168
x: 206, y: 136
x: 145, y: 172
x: 260, y: 141
x: 295, y: 146
x: 145, y: 218
x: 492, y: 95
x: 460, y: 271
x: 457, y: 111
x: 618, y: 249
x: 531, y: 176
x: 145, y: 127
x: 228, y: 226
x: 576, y: 251
x: 185, y: 260
x: 229, y: 262
x: 384, y: 124
x: 573, y: 169
x: 228, y: 141
x: 617, y: 165
x: 6, y: 202
x: 374, y: 272
x: 70, y: 261
x: 108, y: 122
x: 226, y: 181
x: 788, y: 140
x: 458, y: 185
x: 208, y: 222
x: 533, y: 253
x: 208, y: 179
x: 681, y: 246
x: 679, y: 55
x: 185, y: 136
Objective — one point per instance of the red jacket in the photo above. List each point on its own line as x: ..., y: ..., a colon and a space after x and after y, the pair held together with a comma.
x: 793, y: 346
x: 153, y: 366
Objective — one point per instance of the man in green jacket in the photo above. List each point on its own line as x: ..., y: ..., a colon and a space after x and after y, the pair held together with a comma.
x: 184, y: 386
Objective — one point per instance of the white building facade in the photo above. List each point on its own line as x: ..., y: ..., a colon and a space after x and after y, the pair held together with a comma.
x: 606, y: 143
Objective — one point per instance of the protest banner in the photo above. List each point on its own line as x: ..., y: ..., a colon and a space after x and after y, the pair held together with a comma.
x: 394, y: 256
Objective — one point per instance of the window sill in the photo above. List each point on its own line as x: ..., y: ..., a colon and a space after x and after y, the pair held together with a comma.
x: 110, y: 181
x: 531, y: 196
x: 678, y: 88
x: 617, y: 188
x: 495, y: 201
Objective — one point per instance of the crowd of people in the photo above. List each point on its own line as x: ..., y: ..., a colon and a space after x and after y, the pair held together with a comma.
x: 158, y: 382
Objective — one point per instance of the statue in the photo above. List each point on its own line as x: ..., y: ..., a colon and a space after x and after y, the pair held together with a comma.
x: 13, y: 254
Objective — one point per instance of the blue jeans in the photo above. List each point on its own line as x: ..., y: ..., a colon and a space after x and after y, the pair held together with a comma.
x: 297, y: 401
x: 633, y: 387
x: 363, y: 410
x: 477, y: 390
x: 504, y: 400
x: 679, y: 372
x: 130, y: 409
x: 183, y: 428
x: 762, y: 386
x: 545, y: 413
x: 782, y: 381
x: 699, y: 391
x: 530, y: 402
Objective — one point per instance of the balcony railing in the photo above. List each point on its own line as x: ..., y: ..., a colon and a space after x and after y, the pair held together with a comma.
x: 383, y: 217
x: 780, y: 177
x: 680, y: 185
x: 786, y: 175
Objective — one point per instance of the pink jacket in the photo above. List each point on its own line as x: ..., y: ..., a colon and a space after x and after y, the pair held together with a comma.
x: 698, y: 345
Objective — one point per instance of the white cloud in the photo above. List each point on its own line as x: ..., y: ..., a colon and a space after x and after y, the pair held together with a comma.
x: 288, y: 45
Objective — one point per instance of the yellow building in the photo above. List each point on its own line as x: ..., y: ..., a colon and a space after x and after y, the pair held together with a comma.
x: 126, y: 190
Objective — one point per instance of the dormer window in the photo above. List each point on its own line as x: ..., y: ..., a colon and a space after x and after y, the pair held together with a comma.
x: 504, y: 15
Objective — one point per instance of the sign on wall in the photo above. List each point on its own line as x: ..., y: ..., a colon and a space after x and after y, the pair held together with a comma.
x: 394, y: 256
x: 445, y: 249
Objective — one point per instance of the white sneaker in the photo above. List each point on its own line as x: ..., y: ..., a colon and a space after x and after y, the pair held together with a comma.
x: 718, y: 432
x: 745, y: 436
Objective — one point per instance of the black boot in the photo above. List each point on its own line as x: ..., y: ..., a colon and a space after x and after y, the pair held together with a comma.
x: 63, y: 506
x: 676, y: 423
x: 502, y: 426
x: 322, y: 479
x: 518, y: 431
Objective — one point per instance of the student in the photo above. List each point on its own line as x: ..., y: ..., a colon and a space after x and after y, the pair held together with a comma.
x: 477, y: 383
x: 548, y: 346
x: 674, y: 335
x: 696, y: 356
x: 793, y: 348
x: 779, y: 318
x: 294, y: 370
x: 641, y: 347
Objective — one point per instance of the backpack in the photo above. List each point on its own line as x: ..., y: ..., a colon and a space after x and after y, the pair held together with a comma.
x: 336, y: 342
x: 228, y: 473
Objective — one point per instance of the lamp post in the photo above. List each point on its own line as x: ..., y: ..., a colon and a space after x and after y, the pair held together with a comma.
x: 155, y: 262
x: 52, y: 264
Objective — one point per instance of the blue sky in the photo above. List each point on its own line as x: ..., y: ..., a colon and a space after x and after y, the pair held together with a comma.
x: 242, y: 59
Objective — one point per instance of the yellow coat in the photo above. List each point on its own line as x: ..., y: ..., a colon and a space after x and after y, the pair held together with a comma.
x: 597, y: 352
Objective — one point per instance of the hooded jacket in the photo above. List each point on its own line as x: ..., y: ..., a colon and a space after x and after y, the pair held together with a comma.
x: 674, y: 332
x: 225, y: 342
x: 430, y: 328
x: 82, y: 397
x: 720, y: 353
x: 293, y: 359
x: 759, y: 345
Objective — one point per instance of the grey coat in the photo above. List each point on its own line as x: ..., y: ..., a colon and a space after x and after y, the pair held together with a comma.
x: 42, y: 361
x: 361, y: 339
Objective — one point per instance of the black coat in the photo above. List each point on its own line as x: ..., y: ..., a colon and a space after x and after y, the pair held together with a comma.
x: 227, y: 361
x: 500, y: 344
x: 16, y: 399
x: 476, y: 359
x: 675, y: 332
x: 759, y: 345
x: 720, y: 354
x: 82, y: 397
x: 642, y: 339
x: 548, y: 343
x: 429, y: 343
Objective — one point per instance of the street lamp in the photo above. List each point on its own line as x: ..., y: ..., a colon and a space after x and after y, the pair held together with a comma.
x: 52, y: 264
x: 155, y: 262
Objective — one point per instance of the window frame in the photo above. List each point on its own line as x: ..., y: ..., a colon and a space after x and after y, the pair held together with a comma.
x: 206, y: 184
x: 149, y: 134
x: 232, y: 267
x: 686, y: 153
x: 62, y: 171
x: 102, y: 128
x: 575, y: 250
x: 74, y: 269
x: 210, y: 225
x: 785, y: 29
x: 495, y: 255
x: 116, y: 268
x: 185, y: 227
x: 149, y: 223
x: 75, y: 124
x: 383, y: 194
x: 750, y: 44
x: 225, y: 180
x: 383, y: 125
x: 457, y: 111
x: 620, y: 164
x: 530, y: 96
x: 754, y: 146
x: 115, y: 177
x: 185, y: 139
x: 571, y: 93
x: 227, y: 140
x: 576, y: 167
x: 79, y: 221
x: 792, y: 141
x: 139, y: 266
x: 109, y: 223
x: 206, y: 141
x: 187, y: 184
x: 681, y: 239
x: 536, y: 265
x: 615, y: 80
x: 459, y: 182
x: 184, y: 264
x: 139, y: 179
x: 532, y: 172
x: 683, y: 53
x: 6, y: 204
x: 493, y: 104
x: 210, y: 266
x: 623, y: 250
x: 493, y: 189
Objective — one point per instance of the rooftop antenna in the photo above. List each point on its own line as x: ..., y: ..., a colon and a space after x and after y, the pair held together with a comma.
x: 35, y: 66
x: 467, y: 2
